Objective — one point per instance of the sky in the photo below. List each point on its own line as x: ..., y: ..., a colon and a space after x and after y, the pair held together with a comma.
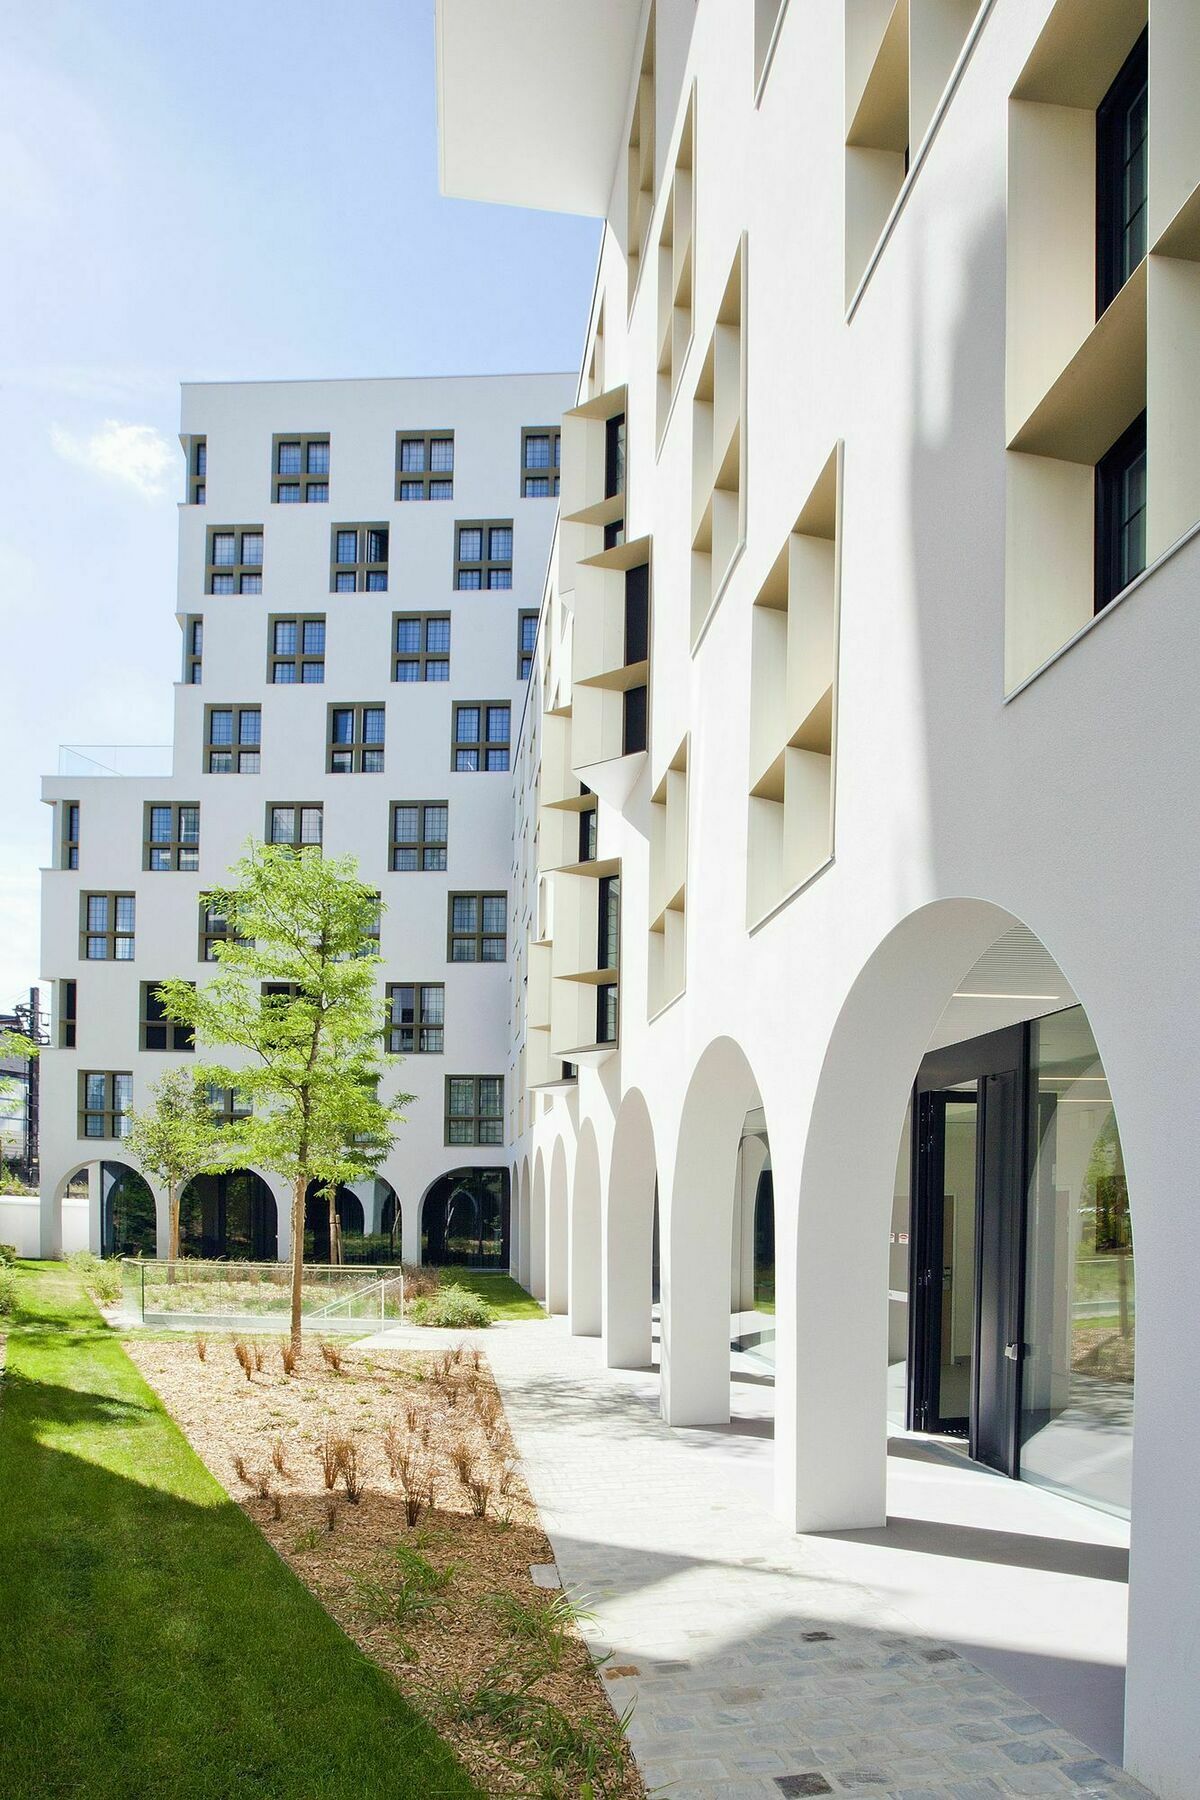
x: 245, y: 190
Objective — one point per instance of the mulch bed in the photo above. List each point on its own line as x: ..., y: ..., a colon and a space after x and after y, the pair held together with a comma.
x: 447, y: 1605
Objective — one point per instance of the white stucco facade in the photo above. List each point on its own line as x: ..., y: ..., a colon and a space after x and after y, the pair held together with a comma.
x: 240, y: 424
x: 845, y: 308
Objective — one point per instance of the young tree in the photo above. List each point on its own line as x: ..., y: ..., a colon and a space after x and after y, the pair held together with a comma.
x: 309, y: 1050
x: 175, y: 1142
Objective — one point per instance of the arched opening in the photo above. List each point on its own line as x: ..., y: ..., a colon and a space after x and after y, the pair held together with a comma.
x: 524, y: 1247
x: 1008, y: 1256
x: 722, y: 1146
x: 631, y: 1238
x: 556, y: 1232
x: 1012, y: 1293
x: 465, y: 1220
x: 231, y: 1215
x: 390, y: 1221
x: 351, y: 1225
x: 584, y: 1283
x: 128, y: 1221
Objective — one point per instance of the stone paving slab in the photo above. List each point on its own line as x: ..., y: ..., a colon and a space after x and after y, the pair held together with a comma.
x: 757, y: 1669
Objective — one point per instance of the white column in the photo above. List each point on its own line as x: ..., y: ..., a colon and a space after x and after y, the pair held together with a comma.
x: 95, y: 1176
x: 283, y: 1219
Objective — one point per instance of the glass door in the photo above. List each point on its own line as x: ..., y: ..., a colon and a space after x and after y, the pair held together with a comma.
x: 943, y: 1289
x: 966, y: 1245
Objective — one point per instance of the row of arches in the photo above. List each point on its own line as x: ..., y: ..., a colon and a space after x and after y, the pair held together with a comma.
x: 653, y: 1223
x: 462, y: 1218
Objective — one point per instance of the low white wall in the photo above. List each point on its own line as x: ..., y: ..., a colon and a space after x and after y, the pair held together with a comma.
x: 20, y: 1224
x: 74, y: 1224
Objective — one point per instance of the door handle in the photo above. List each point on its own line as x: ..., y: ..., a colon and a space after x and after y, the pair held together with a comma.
x: 1012, y: 1351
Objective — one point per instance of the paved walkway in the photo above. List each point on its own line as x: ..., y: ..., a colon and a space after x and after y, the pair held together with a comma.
x: 760, y: 1664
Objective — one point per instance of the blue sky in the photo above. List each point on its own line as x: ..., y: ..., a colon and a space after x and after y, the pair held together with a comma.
x: 243, y: 190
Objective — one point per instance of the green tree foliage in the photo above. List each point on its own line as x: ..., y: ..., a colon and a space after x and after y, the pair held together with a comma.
x: 175, y: 1141
x: 307, y: 1056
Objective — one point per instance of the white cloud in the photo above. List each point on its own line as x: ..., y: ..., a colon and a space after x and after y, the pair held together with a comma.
x: 137, y: 455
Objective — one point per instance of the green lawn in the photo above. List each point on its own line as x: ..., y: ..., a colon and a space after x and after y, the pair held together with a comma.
x: 151, y: 1642
x: 507, y: 1298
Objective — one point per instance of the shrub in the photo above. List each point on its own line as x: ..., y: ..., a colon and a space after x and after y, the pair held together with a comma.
x: 8, y: 1254
x: 351, y: 1474
x: 103, y: 1278
x: 288, y: 1357
x: 331, y: 1355
x: 241, y: 1350
x: 201, y: 1346
x: 8, y: 1291
x: 453, y: 1308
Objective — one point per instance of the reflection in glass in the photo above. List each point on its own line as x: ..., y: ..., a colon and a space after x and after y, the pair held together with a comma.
x: 957, y: 1322
x: 1077, y: 1381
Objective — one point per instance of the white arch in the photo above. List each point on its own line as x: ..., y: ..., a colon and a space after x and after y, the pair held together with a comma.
x: 698, y: 1225
x: 524, y: 1259
x: 556, y: 1231
x: 583, y: 1278
x: 629, y: 1236
x: 539, y: 1208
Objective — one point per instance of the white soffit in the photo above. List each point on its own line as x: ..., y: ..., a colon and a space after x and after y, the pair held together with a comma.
x: 1016, y: 979
x: 532, y: 98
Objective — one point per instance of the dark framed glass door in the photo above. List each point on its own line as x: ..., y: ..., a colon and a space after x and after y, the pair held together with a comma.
x: 967, y: 1244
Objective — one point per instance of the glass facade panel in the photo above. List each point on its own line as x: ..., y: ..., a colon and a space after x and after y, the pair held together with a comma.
x: 1077, y: 1379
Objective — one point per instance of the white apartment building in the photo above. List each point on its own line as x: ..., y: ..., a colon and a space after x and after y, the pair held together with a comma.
x: 360, y: 565
x: 855, y: 861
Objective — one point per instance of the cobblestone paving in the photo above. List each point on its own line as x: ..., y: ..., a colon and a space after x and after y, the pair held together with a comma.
x: 755, y: 1669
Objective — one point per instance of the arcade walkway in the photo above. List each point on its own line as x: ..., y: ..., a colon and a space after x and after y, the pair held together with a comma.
x: 973, y: 1649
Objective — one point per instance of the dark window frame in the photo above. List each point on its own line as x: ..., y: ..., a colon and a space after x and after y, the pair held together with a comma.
x: 548, y: 472
x: 69, y: 823
x: 300, y: 658
x: 422, y: 658
x: 111, y: 1113
x: 237, y: 747
x: 368, y: 573
x: 209, y: 935
x: 182, y: 850
x: 477, y: 1118
x: 197, y: 470
x: 484, y: 565
x: 303, y: 478
x: 525, y: 657
x: 225, y: 1107
x: 365, y: 755
x: 432, y: 854
x: 420, y: 1027
x: 1112, y: 575
x: 484, y: 744
x: 1116, y: 229
x: 477, y: 937
x: 152, y: 1022
x: 428, y: 477
x: 240, y: 571
x: 297, y: 808
x: 193, y: 649
x: 68, y: 1013
x: 110, y: 931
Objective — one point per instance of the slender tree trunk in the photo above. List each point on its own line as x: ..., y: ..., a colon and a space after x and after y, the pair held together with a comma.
x: 335, y: 1232
x: 298, y: 1188
x: 174, y: 1195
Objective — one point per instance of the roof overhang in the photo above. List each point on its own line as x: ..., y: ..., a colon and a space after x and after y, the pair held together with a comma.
x: 531, y: 99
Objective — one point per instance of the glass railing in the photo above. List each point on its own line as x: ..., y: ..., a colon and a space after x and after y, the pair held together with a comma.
x: 114, y: 759
x: 245, y: 1294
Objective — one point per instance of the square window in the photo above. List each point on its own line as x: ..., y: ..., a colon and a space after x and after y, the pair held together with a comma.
x: 289, y: 459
